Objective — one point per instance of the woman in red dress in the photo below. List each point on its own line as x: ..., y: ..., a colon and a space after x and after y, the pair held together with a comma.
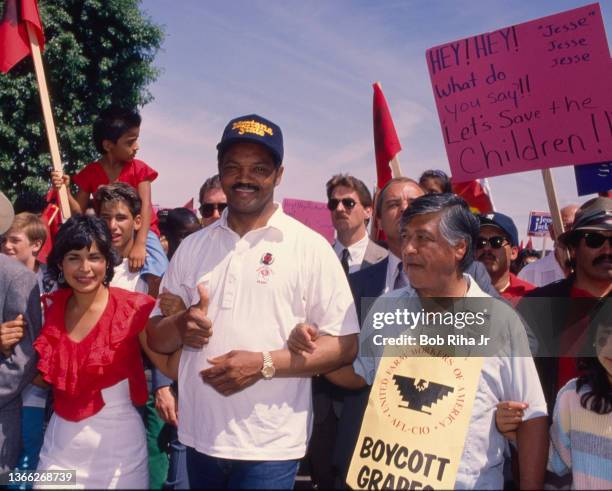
x: 90, y: 355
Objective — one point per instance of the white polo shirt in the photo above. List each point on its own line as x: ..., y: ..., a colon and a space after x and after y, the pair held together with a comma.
x: 260, y: 286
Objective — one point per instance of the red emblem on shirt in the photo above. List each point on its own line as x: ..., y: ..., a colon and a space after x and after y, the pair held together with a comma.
x: 267, y: 259
x: 264, y: 273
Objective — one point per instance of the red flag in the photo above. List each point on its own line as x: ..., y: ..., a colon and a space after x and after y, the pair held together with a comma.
x: 476, y: 195
x: 14, y: 40
x: 529, y: 245
x: 386, y: 142
x: 521, y: 246
x: 52, y: 218
x: 189, y: 204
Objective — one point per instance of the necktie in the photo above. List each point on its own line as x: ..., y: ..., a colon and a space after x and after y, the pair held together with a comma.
x: 344, y: 261
x: 400, y: 281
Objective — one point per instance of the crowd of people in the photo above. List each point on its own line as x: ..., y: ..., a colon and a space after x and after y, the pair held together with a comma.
x: 168, y: 350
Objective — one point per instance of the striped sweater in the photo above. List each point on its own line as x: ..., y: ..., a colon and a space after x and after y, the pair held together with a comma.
x: 580, y: 454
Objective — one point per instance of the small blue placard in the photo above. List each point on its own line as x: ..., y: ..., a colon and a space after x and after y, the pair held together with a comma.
x: 593, y: 178
x: 538, y: 223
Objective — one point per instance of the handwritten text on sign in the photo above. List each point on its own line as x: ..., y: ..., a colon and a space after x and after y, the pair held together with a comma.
x: 525, y: 97
x: 312, y: 214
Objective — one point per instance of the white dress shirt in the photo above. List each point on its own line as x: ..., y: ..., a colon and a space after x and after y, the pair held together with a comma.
x: 356, y: 252
x: 392, y: 272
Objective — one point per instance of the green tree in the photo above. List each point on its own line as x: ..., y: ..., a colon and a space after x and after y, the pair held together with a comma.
x: 97, y: 53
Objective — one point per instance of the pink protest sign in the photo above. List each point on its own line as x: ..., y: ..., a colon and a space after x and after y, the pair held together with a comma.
x: 313, y: 214
x: 525, y: 97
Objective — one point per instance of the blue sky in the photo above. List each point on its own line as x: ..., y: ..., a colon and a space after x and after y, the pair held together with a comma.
x: 309, y: 67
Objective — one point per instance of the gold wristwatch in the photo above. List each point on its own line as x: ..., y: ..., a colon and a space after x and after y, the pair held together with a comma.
x: 268, y: 369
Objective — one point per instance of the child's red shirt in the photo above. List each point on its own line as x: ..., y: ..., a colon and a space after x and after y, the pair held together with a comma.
x: 92, y: 176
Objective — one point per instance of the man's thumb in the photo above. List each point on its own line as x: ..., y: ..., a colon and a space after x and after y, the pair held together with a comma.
x: 203, y: 294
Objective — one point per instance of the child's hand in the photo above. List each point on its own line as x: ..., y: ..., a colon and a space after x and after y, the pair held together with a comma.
x: 170, y: 304
x: 11, y: 332
x: 508, y: 417
x: 58, y: 179
x: 137, y: 257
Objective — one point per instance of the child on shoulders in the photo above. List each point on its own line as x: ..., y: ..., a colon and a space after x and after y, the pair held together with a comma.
x: 116, y: 134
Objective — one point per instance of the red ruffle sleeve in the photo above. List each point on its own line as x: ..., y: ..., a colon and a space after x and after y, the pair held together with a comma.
x: 78, y: 371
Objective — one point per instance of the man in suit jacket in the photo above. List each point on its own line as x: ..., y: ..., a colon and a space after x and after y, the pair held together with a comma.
x: 350, y: 205
x: 338, y: 412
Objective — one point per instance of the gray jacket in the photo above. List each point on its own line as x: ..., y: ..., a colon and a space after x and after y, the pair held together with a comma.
x: 19, y: 294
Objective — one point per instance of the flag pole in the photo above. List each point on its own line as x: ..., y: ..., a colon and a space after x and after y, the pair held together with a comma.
x: 553, y: 205
x: 48, y: 117
x: 396, y: 170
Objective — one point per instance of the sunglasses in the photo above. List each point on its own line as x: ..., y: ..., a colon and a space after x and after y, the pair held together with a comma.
x: 348, y: 203
x: 595, y: 240
x: 495, y: 242
x: 208, y: 209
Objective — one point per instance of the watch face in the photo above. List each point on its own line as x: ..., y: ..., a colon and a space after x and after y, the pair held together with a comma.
x: 267, y: 372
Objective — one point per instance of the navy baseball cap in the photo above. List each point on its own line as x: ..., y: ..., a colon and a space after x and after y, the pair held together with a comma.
x: 502, y: 222
x: 253, y: 129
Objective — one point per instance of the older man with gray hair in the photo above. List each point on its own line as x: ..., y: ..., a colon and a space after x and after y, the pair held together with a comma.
x: 437, y: 236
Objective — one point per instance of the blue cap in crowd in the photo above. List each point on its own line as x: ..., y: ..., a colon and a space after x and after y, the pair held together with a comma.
x: 502, y: 222
x: 253, y: 129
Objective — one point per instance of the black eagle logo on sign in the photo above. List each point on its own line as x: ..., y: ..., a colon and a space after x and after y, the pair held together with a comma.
x: 420, y: 394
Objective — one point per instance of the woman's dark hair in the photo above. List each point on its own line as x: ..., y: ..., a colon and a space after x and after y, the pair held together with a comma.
x: 593, y: 374
x: 440, y: 176
x: 78, y: 232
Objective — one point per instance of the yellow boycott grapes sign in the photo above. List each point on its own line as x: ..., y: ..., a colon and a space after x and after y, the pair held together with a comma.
x: 416, y: 422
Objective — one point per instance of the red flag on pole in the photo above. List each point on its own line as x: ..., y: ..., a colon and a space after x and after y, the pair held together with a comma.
x: 14, y: 41
x: 521, y: 246
x: 529, y: 245
x: 386, y: 142
x: 189, y: 204
x: 475, y: 194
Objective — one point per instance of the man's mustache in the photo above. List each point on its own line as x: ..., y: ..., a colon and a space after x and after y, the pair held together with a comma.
x: 242, y: 185
x: 487, y: 256
x: 602, y: 259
